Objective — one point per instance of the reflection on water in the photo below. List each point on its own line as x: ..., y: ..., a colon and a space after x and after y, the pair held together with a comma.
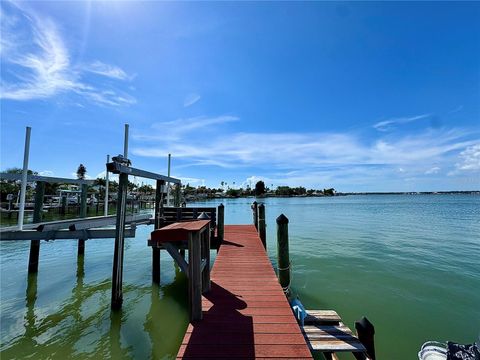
x: 84, y: 325
x: 409, y: 263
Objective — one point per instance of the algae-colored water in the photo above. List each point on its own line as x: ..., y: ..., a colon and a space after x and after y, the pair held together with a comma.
x: 410, y: 263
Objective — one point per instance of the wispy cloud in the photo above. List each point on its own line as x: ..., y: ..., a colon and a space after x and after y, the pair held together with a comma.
x: 191, y: 99
x: 173, y: 130
x: 294, y: 157
x: 390, y: 124
x: 111, y: 71
x: 39, y: 62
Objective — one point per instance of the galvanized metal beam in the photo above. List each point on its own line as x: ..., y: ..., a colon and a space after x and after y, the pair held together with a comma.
x: 80, y: 224
x: 48, y: 179
x: 118, y: 168
x: 63, y: 234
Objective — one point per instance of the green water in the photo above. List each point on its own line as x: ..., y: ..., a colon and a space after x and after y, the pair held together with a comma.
x: 411, y: 264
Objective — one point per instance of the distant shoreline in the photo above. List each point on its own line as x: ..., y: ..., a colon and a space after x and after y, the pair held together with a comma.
x: 469, y: 192
x: 465, y: 192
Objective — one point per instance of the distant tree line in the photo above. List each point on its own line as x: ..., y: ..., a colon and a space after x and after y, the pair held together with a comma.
x: 99, y: 184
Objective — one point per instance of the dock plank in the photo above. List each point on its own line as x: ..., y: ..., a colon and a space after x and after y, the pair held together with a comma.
x: 246, y: 314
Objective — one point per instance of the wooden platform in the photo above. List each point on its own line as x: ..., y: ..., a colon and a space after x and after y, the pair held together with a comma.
x: 326, y: 332
x: 245, y: 315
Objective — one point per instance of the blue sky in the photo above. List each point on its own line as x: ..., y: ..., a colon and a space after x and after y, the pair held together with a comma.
x: 356, y: 96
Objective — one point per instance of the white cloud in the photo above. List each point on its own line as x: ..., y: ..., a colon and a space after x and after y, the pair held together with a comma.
x: 191, y: 99
x: 39, y: 62
x: 45, y: 173
x: 433, y: 170
x: 307, y: 159
x: 470, y: 159
x: 191, y: 181
x: 392, y: 123
x: 111, y: 71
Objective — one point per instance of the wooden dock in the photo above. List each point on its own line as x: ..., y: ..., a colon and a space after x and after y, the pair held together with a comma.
x: 246, y: 314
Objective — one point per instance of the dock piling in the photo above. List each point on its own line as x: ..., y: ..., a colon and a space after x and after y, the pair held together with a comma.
x: 63, y: 207
x: 283, y: 257
x: 117, y: 275
x: 107, y: 184
x: 37, y: 217
x: 39, y: 195
x: 194, y: 276
x: 262, y: 230
x: 365, y: 333
x: 83, y: 214
x: 158, y: 224
x: 221, y: 222
x: 254, y: 213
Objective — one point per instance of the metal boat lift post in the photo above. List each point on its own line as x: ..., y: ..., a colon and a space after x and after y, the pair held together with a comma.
x: 121, y: 166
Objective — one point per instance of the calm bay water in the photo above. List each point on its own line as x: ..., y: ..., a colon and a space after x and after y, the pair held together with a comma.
x: 411, y: 264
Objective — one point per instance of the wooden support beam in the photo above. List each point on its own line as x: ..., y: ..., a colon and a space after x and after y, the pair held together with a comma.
x: 158, y: 223
x: 205, y: 270
x: 37, y: 217
x: 117, y: 272
x: 177, y: 196
x: 194, y: 276
x: 63, y: 207
x: 283, y: 257
x: 83, y: 214
x: 39, y: 195
x: 174, y: 253
x: 158, y: 204
x: 262, y: 227
x: 155, y: 265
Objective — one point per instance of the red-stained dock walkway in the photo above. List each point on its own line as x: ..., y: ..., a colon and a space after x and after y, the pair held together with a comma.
x: 245, y: 315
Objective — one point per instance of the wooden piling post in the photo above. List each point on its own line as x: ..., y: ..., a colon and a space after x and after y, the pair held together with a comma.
x: 37, y: 217
x: 83, y: 214
x: 365, y: 333
x: 221, y: 223
x: 39, y: 195
x: 283, y: 257
x: 254, y: 213
x: 178, y: 195
x: 206, y: 285
x: 158, y: 224
x: 63, y: 207
x: 194, y: 276
x: 117, y: 274
x: 83, y: 201
x: 262, y: 227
